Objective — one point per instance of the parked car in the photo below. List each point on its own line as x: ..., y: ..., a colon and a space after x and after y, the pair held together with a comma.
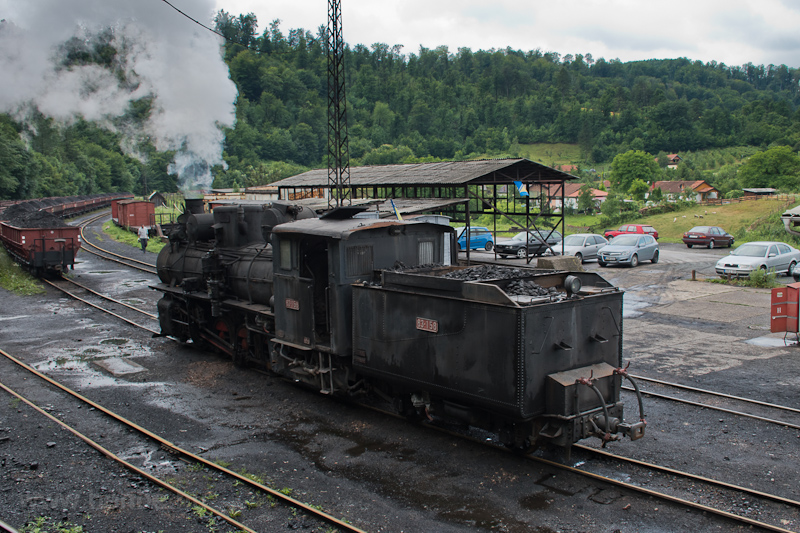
x: 534, y: 244
x: 584, y: 245
x: 766, y: 255
x: 629, y: 249
x: 709, y: 236
x: 642, y: 229
x: 480, y: 238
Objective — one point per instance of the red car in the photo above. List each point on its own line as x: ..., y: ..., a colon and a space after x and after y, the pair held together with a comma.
x: 631, y: 228
x: 709, y: 236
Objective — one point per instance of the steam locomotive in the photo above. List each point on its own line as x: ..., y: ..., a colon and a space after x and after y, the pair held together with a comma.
x: 382, y: 309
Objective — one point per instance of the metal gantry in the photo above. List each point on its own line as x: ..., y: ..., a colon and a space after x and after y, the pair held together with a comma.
x: 338, y: 143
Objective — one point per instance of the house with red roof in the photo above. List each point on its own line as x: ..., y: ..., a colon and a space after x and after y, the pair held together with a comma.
x: 673, y: 159
x: 572, y: 192
x: 699, y: 190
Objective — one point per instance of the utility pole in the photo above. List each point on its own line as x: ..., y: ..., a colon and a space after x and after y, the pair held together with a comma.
x: 338, y: 142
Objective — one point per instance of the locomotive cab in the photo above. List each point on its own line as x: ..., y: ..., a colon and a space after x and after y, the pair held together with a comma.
x: 316, y: 263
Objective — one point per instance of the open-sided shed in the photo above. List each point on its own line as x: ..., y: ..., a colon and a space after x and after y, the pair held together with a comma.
x: 501, y: 187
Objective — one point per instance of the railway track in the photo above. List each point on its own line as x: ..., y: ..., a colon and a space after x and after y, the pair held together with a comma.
x: 91, y: 293
x: 714, y: 498
x: 108, y: 255
x: 717, y: 398
x: 197, y: 462
x: 642, y: 478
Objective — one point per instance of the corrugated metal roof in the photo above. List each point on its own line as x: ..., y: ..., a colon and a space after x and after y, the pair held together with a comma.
x: 441, y: 173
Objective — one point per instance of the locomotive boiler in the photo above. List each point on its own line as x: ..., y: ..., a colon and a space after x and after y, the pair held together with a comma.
x: 382, y: 309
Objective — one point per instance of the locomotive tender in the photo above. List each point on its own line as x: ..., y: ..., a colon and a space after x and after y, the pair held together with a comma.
x: 354, y: 306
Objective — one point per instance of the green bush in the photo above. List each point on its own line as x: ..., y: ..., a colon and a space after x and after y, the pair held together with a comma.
x: 762, y: 279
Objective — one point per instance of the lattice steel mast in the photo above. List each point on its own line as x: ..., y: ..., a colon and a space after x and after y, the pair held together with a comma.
x: 338, y: 143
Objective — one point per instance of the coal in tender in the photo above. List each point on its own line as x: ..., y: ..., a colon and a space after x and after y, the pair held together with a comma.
x: 524, y: 287
x: 487, y: 272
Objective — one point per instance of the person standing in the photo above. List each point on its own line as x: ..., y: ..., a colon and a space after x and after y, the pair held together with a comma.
x: 144, y: 235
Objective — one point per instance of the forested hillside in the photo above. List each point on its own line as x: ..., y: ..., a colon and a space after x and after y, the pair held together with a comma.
x: 426, y: 105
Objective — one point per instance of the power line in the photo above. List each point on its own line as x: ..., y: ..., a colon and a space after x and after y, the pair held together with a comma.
x: 198, y: 22
x: 220, y: 34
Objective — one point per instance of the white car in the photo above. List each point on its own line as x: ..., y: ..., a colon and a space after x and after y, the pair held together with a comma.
x: 766, y: 255
x: 584, y: 246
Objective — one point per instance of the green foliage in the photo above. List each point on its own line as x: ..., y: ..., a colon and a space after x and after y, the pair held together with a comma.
x: 68, y: 160
x: 638, y: 189
x: 631, y: 166
x: 45, y: 524
x: 777, y: 167
x: 15, y: 279
x: 154, y: 245
x: 656, y: 196
x: 434, y: 104
x: 762, y: 279
x: 758, y: 279
x: 586, y: 199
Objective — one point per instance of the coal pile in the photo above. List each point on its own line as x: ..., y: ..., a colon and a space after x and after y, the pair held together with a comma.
x: 17, y: 210
x: 25, y: 215
x: 487, y: 272
x: 521, y: 287
x: 517, y: 287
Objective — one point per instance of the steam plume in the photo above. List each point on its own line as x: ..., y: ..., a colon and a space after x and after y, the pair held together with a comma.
x: 160, y: 55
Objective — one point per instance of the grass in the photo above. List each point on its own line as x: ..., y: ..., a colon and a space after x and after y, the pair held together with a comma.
x: 128, y: 237
x: 758, y: 279
x: 552, y: 154
x: 16, y: 279
x: 747, y: 221
x: 45, y: 524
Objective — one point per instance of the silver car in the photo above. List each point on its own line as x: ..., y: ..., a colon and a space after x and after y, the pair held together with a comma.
x: 584, y: 246
x: 766, y: 255
x: 629, y: 249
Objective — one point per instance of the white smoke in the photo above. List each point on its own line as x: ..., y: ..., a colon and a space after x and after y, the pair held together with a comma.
x: 160, y: 55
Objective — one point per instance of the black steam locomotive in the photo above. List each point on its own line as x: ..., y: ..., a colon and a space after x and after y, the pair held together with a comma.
x: 381, y: 308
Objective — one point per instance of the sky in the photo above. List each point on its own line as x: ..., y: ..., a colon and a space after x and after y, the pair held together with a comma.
x: 734, y: 32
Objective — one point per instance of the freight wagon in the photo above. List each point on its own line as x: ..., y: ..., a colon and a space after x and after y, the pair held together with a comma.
x: 43, y: 251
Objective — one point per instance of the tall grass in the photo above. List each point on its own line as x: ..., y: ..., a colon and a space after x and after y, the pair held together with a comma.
x: 16, y: 279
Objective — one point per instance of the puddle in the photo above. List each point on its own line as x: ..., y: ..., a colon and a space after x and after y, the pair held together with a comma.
x: 773, y: 342
x: 79, y: 363
x: 632, y: 306
x: 535, y: 502
x: 2, y: 319
x: 119, y: 367
x: 116, y: 342
x: 144, y: 457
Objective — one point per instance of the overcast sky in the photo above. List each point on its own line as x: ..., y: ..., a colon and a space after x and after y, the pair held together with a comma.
x: 733, y: 32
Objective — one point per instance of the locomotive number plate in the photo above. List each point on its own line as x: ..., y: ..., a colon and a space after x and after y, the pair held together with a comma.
x: 427, y: 324
x: 292, y: 304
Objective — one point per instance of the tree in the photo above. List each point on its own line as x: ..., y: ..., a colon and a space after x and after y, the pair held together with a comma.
x: 586, y: 199
x: 638, y: 189
x: 612, y: 205
x: 777, y: 167
x: 656, y: 196
x: 630, y: 166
